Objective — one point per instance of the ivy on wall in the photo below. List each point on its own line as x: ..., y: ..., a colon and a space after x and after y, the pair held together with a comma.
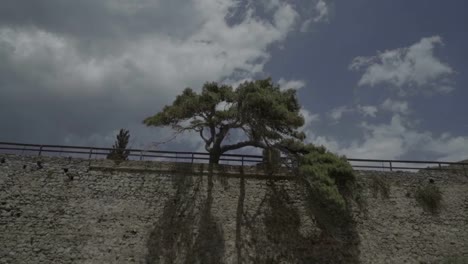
x: 330, y: 185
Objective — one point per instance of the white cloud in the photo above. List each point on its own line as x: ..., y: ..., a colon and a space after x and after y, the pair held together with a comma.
x: 368, y: 110
x: 322, y: 11
x: 292, y: 84
x: 395, y: 139
x: 305, y: 27
x: 382, y: 141
x: 395, y: 106
x: 223, y: 106
x: 410, y: 68
x: 337, y: 113
x: 285, y: 17
x: 52, y: 61
x: 309, y: 118
x: 271, y: 4
x: 448, y: 148
x: 444, y: 89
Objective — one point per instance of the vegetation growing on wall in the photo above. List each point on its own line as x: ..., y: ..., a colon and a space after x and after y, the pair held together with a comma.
x: 429, y: 197
x: 119, y: 151
x: 330, y: 183
x: 331, y: 187
x: 380, y: 186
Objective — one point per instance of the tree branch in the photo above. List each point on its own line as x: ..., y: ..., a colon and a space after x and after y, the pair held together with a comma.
x: 243, y: 144
x: 223, y: 130
x: 213, y: 132
x: 207, y: 141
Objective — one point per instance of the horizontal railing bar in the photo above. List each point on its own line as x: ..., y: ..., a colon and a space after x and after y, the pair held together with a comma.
x: 19, y: 144
x: 25, y: 149
x: 149, y: 156
x: 407, y: 161
x: 405, y: 168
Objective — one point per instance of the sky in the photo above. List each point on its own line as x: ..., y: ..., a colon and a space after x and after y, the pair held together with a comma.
x: 376, y: 79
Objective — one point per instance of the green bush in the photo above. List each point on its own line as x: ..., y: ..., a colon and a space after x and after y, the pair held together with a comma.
x: 331, y: 184
x: 119, y: 151
x: 429, y: 197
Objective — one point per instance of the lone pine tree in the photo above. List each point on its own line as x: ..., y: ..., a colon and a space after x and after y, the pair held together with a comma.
x: 260, y: 111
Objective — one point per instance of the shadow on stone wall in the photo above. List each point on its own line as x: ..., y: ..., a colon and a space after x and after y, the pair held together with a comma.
x: 239, y: 218
x: 276, y: 237
x: 187, y: 232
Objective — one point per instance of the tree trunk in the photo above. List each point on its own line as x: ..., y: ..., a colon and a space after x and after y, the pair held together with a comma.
x: 215, y: 155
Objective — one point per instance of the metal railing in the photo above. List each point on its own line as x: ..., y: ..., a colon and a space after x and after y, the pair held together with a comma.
x: 134, y: 154
x: 407, y: 165
x: 202, y: 157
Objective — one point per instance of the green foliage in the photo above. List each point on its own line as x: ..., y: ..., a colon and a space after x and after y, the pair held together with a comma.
x: 429, y: 197
x: 329, y: 181
x: 259, y: 109
x: 119, y: 152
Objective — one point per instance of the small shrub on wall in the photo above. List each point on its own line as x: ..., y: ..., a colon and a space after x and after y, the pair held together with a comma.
x: 119, y: 151
x: 380, y: 185
x: 429, y: 197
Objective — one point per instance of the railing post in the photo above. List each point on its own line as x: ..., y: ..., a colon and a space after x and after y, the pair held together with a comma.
x: 90, y: 153
x: 141, y: 154
x: 242, y: 161
x: 40, y: 150
x: 89, y: 158
x: 192, y: 157
x: 391, y: 168
x: 440, y: 166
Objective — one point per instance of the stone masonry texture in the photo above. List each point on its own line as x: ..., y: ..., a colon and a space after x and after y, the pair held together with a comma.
x: 79, y: 211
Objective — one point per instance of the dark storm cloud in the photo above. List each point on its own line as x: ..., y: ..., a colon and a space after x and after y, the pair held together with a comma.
x: 76, y: 71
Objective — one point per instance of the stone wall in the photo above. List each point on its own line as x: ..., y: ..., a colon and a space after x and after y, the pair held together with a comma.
x: 397, y: 229
x: 75, y: 211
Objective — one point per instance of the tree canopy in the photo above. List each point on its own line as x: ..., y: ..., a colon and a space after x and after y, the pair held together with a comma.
x: 264, y: 113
